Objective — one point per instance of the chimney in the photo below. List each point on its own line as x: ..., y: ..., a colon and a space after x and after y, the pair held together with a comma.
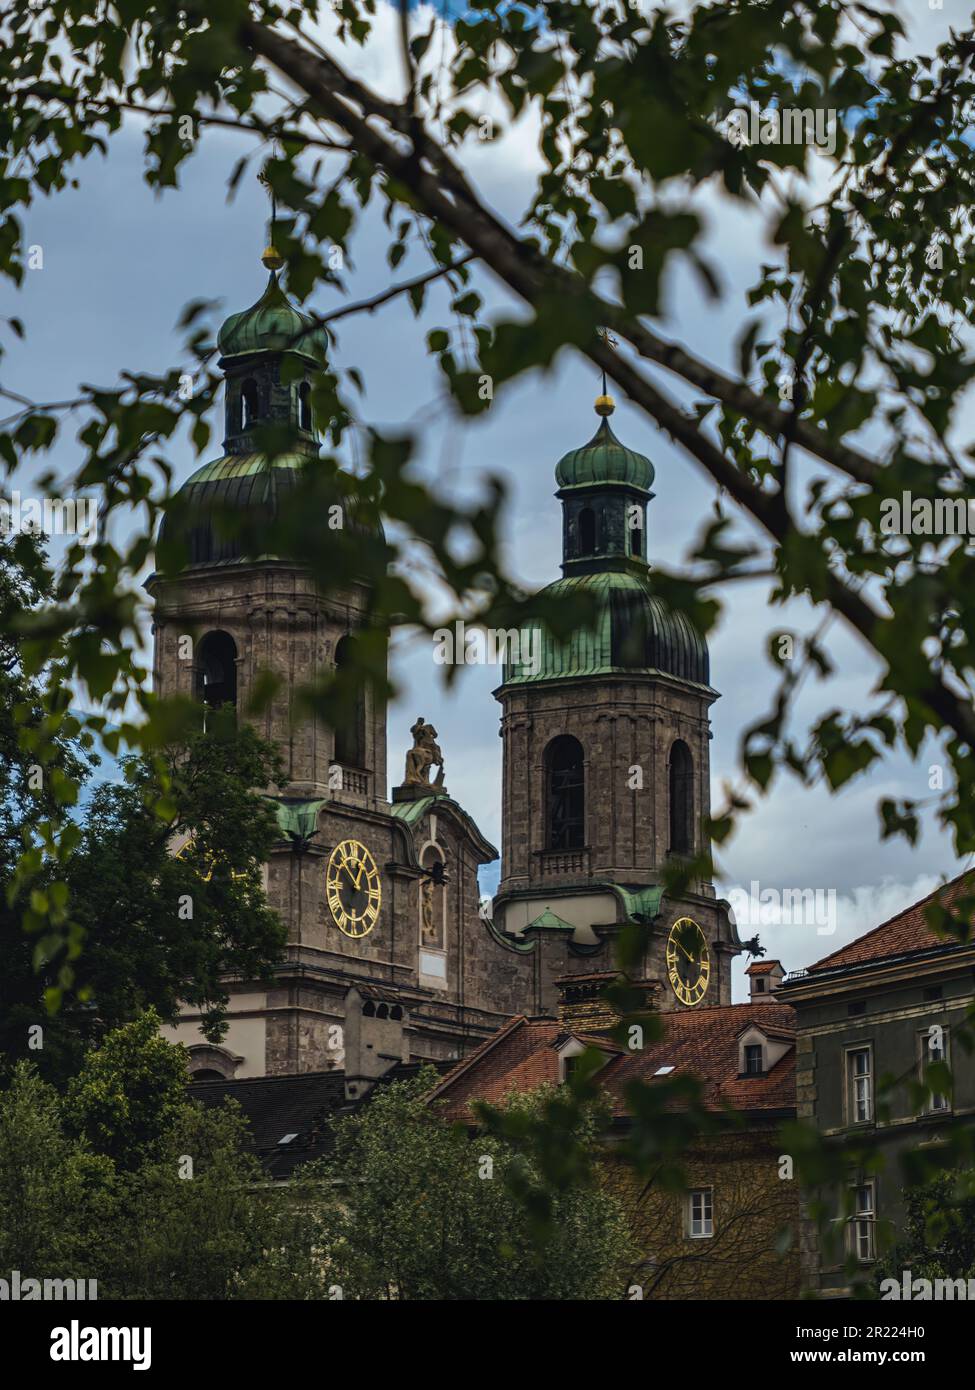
x: 764, y: 979
x: 582, y: 1007
x: 375, y: 1038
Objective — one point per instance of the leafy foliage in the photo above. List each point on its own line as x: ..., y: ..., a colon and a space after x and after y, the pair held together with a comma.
x: 852, y: 361
x: 429, y: 1211
x: 939, y: 1233
x: 164, y: 1202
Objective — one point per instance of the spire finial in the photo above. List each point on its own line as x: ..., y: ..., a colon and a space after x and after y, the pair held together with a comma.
x: 605, y: 405
x: 271, y: 257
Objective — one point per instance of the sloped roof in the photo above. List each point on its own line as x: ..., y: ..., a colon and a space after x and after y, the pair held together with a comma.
x: 702, y: 1042
x: 908, y: 931
x: 303, y: 1105
x: 278, y: 1105
x: 519, y: 1057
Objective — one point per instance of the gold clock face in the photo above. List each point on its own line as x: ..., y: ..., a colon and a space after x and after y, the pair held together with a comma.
x: 353, y: 888
x: 688, y: 961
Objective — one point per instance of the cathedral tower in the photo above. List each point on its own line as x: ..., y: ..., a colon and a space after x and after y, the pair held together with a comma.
x: 388, y: 957
x: 606, y: 749
x: 248, y: 616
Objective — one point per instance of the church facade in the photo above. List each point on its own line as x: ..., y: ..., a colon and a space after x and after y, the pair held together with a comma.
x: 605, y: 776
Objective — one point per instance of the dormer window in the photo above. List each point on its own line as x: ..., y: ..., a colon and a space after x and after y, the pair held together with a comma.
x: 572, y: 1048
x: 761, y: 1049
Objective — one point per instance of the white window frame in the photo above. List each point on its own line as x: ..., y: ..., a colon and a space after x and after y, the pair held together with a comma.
x: 704, y: 1197
x: 855, y: 1095
x: 862, y: 1226
x: 940, y: 1104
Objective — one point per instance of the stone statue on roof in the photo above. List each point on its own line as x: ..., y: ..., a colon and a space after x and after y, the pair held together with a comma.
x: 423, y: 757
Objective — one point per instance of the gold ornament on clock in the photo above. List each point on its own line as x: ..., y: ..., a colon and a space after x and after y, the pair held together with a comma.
x: 688, y: 961
x: 353, y: 888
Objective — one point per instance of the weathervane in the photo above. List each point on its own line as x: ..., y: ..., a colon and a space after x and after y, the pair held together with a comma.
x: 271, y: 257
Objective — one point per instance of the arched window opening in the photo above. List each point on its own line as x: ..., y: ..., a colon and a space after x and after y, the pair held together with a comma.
x: 207, y: 1074
x: 304, y: 407
x: 368, y: 1009
x: 635, y: 534
x: 681, y: 799
x: 565, y: 794
x: 382, y: 1011
x: 216, y: 670
x: 350, y: 732
x: 249, y: 404
x: 396, y: 1013
x: 587, y: 531
x: 433, y: 890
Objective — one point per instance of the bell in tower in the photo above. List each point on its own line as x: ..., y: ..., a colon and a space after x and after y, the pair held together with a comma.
x: 606, y: 773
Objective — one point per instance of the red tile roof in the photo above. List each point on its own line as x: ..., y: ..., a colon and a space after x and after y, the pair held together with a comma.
x: 704, y: 1042
x: 763, y: 967
x: 518, y: 1057
x: 701, y: 1041
x: 908, y: 931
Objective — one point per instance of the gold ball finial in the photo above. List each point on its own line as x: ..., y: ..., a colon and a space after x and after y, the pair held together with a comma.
x: 605, y: 405
x: 272, y: 258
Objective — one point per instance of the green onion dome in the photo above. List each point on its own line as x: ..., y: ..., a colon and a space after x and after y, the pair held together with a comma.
x: 251, y: 486
x: 635, y: 633
x: 604, y: 460
x: 273, y: 324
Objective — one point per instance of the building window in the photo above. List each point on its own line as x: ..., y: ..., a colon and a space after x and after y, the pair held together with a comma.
x: 760, y: 985
x: 859, y: 1086
x: 754, y: 1059
x: 700, y: 1217
x: 932, y: 1048
x: 216, y: 670
x: 304, y: 407
x: 587, y: 531
x: 863, y: 1223
x: 565, y: 795
x: 350, y: 731
x: 681, y: 798
x: 249, y: 404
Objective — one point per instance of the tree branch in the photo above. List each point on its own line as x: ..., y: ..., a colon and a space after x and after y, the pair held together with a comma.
x: 447, y: 197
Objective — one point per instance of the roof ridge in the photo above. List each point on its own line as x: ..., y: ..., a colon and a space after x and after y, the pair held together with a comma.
x: 911, y: 907
x: 283, y: 1076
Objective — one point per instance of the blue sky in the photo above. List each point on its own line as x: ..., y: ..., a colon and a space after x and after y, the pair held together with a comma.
x: 119, y: 264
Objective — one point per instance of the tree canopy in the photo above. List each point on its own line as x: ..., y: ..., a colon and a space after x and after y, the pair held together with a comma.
x: 853, y: 359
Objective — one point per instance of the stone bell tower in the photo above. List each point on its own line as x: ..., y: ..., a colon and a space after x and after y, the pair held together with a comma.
x: 234, y: 612
x: 606, y: 773
x: 388, y: 958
